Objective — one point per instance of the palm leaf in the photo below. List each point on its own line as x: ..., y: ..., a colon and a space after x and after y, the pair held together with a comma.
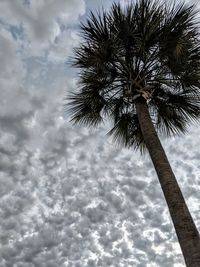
x: 175, y: 109
x: 145, y: 49
x: 85, y: 108
x: 126, y: 131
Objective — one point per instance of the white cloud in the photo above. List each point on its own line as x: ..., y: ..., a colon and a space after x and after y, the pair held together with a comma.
x: 69, y: 197
x: 98, y: 4
x: 63, y: 45
x: 43, y: 24
x: 39, y: 17
x: 11, y: 65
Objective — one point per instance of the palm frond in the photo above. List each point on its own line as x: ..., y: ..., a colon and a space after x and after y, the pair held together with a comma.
x: 126, y: 131
x: 174, y: 109
x: 87, y: 55
x: 85, y: 108
x: 147, y: 48
x: 96, y: 28
x: 178, y: 38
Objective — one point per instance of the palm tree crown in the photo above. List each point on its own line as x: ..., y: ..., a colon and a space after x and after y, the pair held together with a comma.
x: 143, y: 50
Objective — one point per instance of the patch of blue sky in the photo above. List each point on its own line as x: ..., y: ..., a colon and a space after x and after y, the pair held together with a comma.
x: 27, y: 3
x: 17, y: 32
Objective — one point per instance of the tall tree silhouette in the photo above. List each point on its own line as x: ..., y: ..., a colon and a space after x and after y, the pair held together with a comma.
x: 139, y: 66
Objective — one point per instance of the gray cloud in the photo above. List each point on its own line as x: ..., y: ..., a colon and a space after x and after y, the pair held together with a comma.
x: 68, y: 196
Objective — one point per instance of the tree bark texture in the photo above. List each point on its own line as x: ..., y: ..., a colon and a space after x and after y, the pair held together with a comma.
x: 187, y: 233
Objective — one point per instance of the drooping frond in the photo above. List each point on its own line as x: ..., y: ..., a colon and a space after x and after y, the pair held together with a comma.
x: 146, y: 49
x: 174, y: 109
x: 126, y: 131
x: 85, y: 108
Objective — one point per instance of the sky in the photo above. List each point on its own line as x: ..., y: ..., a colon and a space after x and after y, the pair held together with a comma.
x: 69, y: 197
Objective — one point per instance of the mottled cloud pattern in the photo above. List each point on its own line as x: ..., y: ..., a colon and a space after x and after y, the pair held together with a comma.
x: 68, y: 196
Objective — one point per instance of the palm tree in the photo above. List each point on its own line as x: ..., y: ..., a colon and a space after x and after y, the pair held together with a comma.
x: 139, y: 66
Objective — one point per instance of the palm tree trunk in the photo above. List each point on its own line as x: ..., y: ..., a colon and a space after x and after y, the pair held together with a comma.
x: 186, y: 230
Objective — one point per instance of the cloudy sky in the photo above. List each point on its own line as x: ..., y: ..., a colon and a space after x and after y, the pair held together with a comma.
x: 68, y: 196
